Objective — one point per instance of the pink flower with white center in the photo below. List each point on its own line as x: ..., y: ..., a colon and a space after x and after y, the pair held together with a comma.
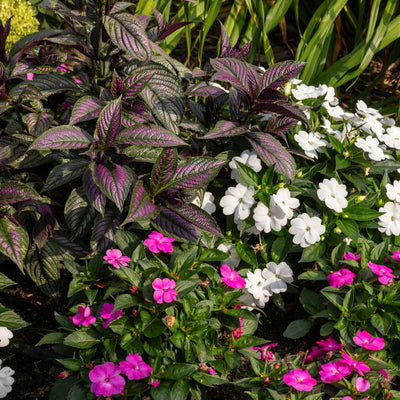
x: 340, y: 278
x: 315, y: 354
x: 361, y: 384
x: 238, y: 332
x: 231, y: 278
x: 334, y: 371
x: 164, y: 290
x: 384, y: 273
x: 106, y: 380
x: 116, y: 259
x: 135, y: 368
x: 364, y: 339
x: 30, y: 76
x: 83, y: 317
x: 211, y: 371
x: 107, y: 312
x: 265, y: 354
x: 359, y: 366
x: 329, y: 344
x: 300, y: 379
x: 157, y: 242
x: 351, y: 256
x: 154, y: 383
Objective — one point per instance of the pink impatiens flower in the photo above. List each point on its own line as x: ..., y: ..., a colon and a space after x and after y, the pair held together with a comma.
x: 334, y: 371
x: 83, y: 317
x: 300, y: 379
x: 351, y: 256
x: 329, y: 344
x: 106, y: 380
x: 364, y: 339
x: 157, y: 242
x: 342, y: 277
x: 134, y: 367
x: 359, y: 366
x: 396, y: 256
x: 384, y: 273
x: 231, y: 278
x: 265, y: 354
x: 238, y: 332
x: 164, y: 290
x: 107, y: 312
x: 361, y: 384
x: 116, y: 259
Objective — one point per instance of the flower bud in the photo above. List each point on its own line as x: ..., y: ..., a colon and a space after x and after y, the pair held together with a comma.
x: 337, y: 230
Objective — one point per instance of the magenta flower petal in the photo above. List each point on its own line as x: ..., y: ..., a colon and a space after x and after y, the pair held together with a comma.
x: 135, y: 368
x: 106, y: 380
x: 361, y: 384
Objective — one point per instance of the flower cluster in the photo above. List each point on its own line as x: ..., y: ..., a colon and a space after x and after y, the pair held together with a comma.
x: 6, y: 379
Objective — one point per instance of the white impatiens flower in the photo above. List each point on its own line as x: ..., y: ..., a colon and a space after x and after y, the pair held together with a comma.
x: 248, y: 158
x: 365, y: 111
x: 233, y: 260
x: 6, y: 381
x: 333, y: 194
x: 285, y: 202
x: 238, y: 201
x: 267, y: 219
x: 277, y: 276
x: 371, y: 146
x: 207, y: 204
x: 256, y: 286
x: 306, y: 230
x: 5, y: 336
x: 390, y: 221
x: 311, y: 142
x: 393, y: 191
x: 392, y: 137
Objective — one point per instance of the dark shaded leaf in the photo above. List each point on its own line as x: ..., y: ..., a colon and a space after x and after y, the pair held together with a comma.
x: 37, y: 123
x: 85, y: 109
x: 94, y: 194
x: 226, y: 129
x: 281, y: 108
x: 114, y: 181
x: 280, y: 73
x: 163, y: 170
x: 62, y: 137
x: 64, y: 173
x: 135, y: 84
x: 141, y: 207
x: 104, y: 231
x: 14, y: 192
x: 69, y: 248
x: 236, y: 51
x: 109, y: 123
x: 272, y: 152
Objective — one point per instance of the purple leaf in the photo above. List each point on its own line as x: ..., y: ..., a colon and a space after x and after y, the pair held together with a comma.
x: 64, y: 173
x: 174, y: 225
x: 163, y: 170
x: 69, y: 248
x: 13, y: 192
x: 135, y: 84
x: 280, y: 73
x: 109, y: 122
x: 141, y: 208
x: 14, y: 242
x: 94, y: 194
x: 142, y: 153
x: 198, y: 217
x: 281, y: 108
x: 127, y: 34
x: 272, y: 152
x: 37, y: 123
x: 194, y: 173
x: 4, y: 32
x: 104, y: 230
x: 121, y: 5
x: 163, y: 94
x: 114, y: 181
x: 117, y: 86
x: 45, y: 226
x: 279, y: 125
x: 62, y: 137
x: 226, y: 129
x: 85, y: 109
x: 152, y: 135
x: 228, y: 51
x: 25, y: 91
x: 204, y: 90
x: 130, y: 119
x: 271, y: 95
x: 78, y: 212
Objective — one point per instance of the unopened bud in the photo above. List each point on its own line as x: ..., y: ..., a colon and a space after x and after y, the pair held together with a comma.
x: 266, y: 381
x: 337, y: 230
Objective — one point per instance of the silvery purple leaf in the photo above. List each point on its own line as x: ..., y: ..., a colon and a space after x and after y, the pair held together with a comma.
x: 198, y: 111
x: 104, y: 230
x: 31, y: 66
x: 62, y: 137
x: 149, y: 135
x: 85, y: 109
x: 198, y: 217
x: 37, y: 123
x: 163, y: 170
x: 25, y: 91
x: 142, y: 153
x: 127, y: 34
x: 117, y: 86
x: 14, y: 242
x: 109, y: 122
x: 4, y: 32
x: 93, y: 193
x: 226, y: 129
x: 79, y: 214
x: 13, y: 192
x: 272, y: 152
x: 280, y: 73
x: 119, y: 6
x: 228, y: 51
x: 281, y: 108
x: 204, y: 90
x: 163, y: 94
x: 271, y: 95
x: 64, y: 173
x: 135, y: 84
x: 279, y: 125
x: 114, y: 181
x: 130, y: 119
x: 174, y: 225
x: 194, y: 173
x: 142, y: 207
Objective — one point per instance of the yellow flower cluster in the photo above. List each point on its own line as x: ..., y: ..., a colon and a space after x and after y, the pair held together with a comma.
x: 23, y: 22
